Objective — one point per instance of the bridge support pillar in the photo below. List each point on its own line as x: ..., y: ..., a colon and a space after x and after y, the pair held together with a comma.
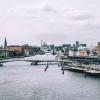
x: 34, y: 63
x: 1, y: 65
x: 46, y: 67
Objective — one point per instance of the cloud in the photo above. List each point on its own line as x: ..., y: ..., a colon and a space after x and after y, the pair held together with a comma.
x: 82, y: 17
x: 93, y: 26
x: 47, y: 18
x: 20, y: 12
x: 46, y: 10
x: 48, y: 22
x: 29, y: 12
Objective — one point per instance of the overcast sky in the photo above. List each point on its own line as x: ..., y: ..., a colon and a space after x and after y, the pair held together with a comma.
x: 54, y: 21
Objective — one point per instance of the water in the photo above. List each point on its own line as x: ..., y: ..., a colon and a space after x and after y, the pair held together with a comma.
x: 20, y: 81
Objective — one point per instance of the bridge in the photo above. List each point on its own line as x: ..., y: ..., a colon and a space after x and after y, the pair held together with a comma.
x: 34, y: 62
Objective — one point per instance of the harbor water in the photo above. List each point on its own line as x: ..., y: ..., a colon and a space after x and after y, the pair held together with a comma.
x: 21, y: 81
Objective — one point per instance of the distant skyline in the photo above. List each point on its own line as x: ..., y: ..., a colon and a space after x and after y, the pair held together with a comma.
x: 54, y: 21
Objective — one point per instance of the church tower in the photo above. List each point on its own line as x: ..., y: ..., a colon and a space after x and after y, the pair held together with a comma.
x: 5, y: 43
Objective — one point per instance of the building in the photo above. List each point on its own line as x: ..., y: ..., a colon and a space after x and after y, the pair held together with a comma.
x: 58, y: 48
x: 4, y: 52
x: 82, y: 53
x: 24, y: 50
x: 44, y: 47
x: 72, y: 53
x: 98, y: 50
x: 5, y: 43
x: 27, y: 50
x: 66, y: 45
x: 66, y: 51
x: 51, y: 47
x: 15, y: 50
x: 36, y: 50
x: 77, y: 44
x: 83, y: 45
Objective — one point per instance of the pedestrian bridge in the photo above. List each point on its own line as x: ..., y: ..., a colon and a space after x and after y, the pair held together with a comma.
x: 36, y: 62
x: 33, y: 62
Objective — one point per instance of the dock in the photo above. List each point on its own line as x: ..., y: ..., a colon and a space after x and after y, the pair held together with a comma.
x: 93, y: 73
x: 87, y: 70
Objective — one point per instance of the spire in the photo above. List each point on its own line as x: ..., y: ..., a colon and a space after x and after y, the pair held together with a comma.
x: 5, y: 43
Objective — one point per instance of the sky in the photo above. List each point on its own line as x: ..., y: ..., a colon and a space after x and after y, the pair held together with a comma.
x: 53, y: 21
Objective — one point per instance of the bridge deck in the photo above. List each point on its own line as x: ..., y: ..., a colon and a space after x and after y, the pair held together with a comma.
x: 12, y: 60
